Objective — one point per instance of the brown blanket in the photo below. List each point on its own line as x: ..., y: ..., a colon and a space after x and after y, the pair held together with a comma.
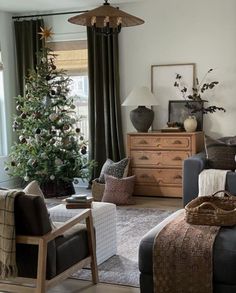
x: 182, y: 257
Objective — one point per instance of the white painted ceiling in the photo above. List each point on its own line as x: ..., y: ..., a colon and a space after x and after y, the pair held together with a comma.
x: 21, y: 6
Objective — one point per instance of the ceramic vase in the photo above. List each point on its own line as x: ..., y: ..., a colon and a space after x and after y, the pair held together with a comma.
x: 190, y: 124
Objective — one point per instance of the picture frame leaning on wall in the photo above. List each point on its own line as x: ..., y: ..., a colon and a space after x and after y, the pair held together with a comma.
x: 163, y: 77
x: 178, y: 112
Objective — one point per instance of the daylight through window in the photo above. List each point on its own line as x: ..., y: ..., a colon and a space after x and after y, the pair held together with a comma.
x: 72, y: 56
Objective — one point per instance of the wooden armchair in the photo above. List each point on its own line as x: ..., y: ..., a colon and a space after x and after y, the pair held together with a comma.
x: 45, y: 256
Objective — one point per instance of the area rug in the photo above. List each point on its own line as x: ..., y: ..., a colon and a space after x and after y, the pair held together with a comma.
x: 132, y: 225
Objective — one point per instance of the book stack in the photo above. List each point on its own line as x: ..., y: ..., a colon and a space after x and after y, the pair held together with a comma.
x: 78, y: 201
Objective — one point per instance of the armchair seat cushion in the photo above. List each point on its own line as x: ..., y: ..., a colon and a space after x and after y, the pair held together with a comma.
x: 71, y: 247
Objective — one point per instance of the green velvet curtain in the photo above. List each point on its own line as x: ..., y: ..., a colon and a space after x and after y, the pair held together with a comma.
x: 106, y: 136
x: 28, y: 43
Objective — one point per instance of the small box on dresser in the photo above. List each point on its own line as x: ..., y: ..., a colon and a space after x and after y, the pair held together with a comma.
x: 157, y: 159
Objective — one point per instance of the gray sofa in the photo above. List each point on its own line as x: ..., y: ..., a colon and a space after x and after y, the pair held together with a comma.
x: 192, y: 168
x: 224, y: 255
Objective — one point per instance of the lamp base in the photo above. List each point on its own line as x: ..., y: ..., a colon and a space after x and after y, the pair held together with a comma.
x: 142, y: 118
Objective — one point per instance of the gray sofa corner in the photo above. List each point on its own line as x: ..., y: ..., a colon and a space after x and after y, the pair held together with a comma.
x: 225, y: 244
x: 192, y: 167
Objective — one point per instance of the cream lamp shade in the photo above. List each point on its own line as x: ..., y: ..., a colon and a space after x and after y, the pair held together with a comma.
x: 141, y: 117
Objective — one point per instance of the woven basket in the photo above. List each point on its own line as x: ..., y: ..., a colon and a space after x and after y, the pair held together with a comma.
x: 212, y: 211
x: 97, y: 190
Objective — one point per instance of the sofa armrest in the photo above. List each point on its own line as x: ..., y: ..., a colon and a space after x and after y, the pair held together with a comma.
x: 192, y: 167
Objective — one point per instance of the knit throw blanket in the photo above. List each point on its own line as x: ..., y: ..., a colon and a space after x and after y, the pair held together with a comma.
x: 182, y: 257
x: 8, y: 266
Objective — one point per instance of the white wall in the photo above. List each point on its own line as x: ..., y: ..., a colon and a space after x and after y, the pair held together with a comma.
x: 64, y: 30
x: 203, y: 32
x: 8, y: 57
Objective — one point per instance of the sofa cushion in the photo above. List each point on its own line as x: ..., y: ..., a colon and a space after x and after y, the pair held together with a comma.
x: 119, y: 191
x: 221, y: 152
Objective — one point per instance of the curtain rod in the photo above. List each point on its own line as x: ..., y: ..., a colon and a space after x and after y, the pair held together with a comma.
x: 48, y: 14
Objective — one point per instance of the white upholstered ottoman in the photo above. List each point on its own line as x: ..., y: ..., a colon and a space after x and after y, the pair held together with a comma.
x: 104, y: 220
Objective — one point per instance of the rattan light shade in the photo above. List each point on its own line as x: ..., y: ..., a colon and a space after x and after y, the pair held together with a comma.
x: 106, y: 14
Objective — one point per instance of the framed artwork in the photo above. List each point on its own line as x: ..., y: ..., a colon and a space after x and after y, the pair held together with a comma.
x: 178, y: 112
x: 163, y: 78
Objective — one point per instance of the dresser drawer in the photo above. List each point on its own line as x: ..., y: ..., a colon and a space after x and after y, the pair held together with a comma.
x: 160, y: 142
x: 158, y: 176
x: 159, y: 158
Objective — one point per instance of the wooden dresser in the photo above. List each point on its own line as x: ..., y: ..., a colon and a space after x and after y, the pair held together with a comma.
x: 157, y: 158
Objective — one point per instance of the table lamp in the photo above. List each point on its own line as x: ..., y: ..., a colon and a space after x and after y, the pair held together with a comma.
x: 141, y: 117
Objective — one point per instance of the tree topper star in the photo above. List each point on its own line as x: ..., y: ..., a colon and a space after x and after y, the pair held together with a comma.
x: 46, y: 33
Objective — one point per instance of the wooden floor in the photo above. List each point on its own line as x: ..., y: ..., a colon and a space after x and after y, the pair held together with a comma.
x: 74, y: 286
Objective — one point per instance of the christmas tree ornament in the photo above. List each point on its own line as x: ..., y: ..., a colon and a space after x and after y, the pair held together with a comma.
x: 73, y: 106
x: 66, y: 127
x: 52, y: 177
x: 77, y: 130
x: 23, y: 115
x: 37, y: 130
x: 48, y: 77
x: 18, y: 107
x: 13, y: 163
x: 44, y: 60
x: 83, y: 150
x: 26, y: 178
x: 81, y: 138
x: 76, y: 181
x: 53, y: 92
x: 53, y: 116
x: 54, y: 67
x: 6, y: 169
x: 52, y: 141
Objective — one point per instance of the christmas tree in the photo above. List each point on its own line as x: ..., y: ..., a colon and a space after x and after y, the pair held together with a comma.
x: 51, y: 149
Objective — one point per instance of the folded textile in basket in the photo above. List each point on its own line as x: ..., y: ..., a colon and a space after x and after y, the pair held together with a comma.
x: 211, y: 180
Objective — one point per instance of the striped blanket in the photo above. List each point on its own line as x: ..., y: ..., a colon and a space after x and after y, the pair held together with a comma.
x: 8, y: 266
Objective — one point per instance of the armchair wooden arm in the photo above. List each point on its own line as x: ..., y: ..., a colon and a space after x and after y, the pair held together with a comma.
x: 42, y: 241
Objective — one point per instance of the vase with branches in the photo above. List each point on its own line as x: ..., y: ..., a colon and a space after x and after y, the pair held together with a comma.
x: 198, y: 90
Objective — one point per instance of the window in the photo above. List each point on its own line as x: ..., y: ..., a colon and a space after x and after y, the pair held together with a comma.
x: 72, y: 56
x: 2, y: 112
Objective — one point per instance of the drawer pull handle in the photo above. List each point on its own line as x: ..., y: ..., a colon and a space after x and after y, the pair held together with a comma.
x: 144, y: 176
x: 158, y: 144
x: 143, y: 141
x: 144, y: 158
x: 178, y: 177
x: 177, y: 142
x: 177, y: 159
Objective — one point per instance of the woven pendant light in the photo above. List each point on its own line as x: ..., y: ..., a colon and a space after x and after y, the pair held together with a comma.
x: 106, y: 16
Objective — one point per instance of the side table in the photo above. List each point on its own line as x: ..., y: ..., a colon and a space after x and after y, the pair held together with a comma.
x: 104, y: 220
